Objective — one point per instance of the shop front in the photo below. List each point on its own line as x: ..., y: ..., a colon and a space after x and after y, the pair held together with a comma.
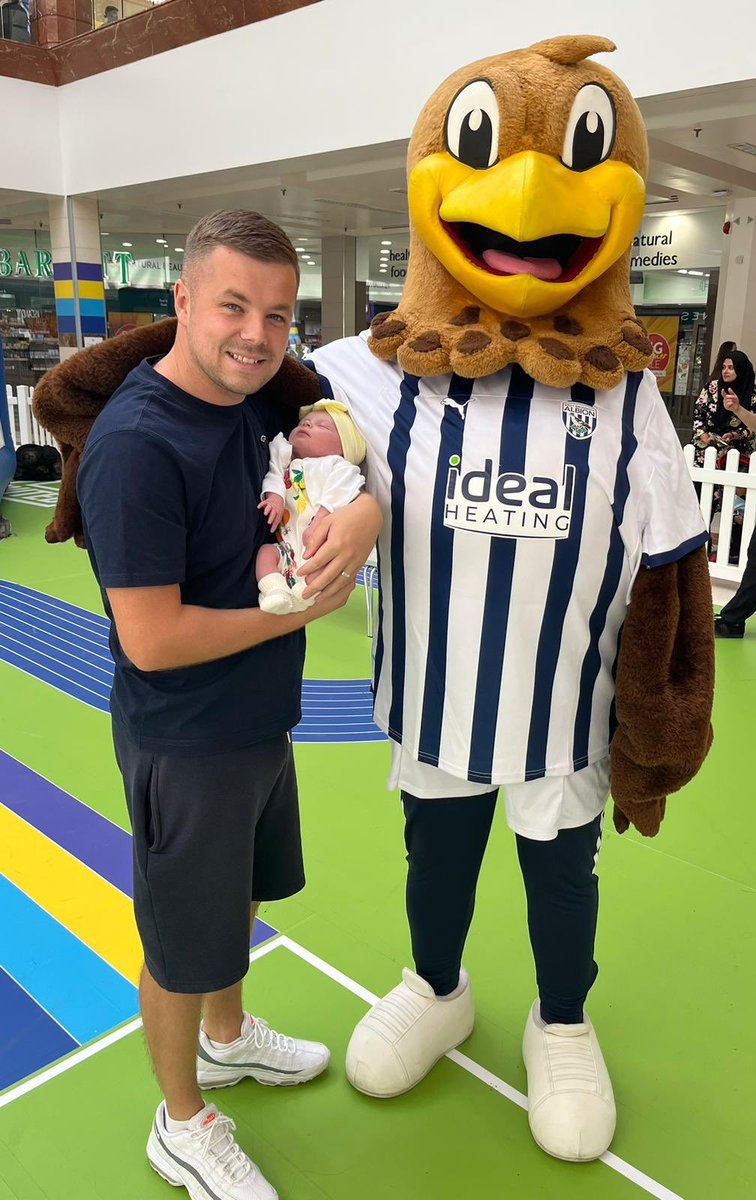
x: 28, y: 324
x: 675, y: 273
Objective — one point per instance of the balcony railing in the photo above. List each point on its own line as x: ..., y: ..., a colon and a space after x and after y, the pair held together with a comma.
x: 50, y: 22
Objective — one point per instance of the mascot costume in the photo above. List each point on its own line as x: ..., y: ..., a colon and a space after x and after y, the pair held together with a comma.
x: 536, y: 507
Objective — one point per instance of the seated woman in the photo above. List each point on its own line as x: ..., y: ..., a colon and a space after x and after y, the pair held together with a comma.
x: 713, y: 423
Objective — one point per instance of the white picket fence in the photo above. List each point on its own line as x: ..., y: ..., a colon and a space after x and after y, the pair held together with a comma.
x: 729, y: 480
x: 24, y: 428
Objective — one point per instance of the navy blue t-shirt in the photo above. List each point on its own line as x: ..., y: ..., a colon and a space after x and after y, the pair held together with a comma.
x: 169, y: 487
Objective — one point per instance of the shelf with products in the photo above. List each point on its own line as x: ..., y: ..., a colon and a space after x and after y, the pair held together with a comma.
x: 30, y: 344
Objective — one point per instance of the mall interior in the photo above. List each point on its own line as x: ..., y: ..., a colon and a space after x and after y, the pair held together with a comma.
x: 125, y: 123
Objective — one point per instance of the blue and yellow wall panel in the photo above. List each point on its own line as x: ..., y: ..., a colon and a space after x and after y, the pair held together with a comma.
x: 91, y: 298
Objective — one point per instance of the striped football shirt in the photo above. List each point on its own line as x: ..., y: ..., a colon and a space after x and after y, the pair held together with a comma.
x: 516, y: 519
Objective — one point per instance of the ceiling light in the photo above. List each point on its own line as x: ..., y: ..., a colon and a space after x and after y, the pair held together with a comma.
x: 683, y: 271
x: 178, y: 249
x: 161, y: 241
x: 385, y: 243
x: 104, y: 235
x: 299, y: 248
x: 128, y: 244
x: 382, y: 270
x: 695, y: 272
x: 746, y: 147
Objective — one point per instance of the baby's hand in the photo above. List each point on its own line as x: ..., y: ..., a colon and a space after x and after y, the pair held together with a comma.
x: 273, y: 506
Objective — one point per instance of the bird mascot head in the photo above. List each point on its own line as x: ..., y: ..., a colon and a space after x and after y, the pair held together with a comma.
x: 526, y: 187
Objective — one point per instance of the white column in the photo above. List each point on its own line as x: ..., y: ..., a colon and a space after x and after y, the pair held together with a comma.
x: 343, y: 300
x: 735, y: 318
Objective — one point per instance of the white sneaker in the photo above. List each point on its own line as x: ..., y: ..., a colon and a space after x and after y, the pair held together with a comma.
x: 205, y: 1159
x: 570, y: 1100
x: 260, y: 1052
x: 405, y: 1034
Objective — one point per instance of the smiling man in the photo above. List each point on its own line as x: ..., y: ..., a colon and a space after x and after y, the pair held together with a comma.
x: 207, y: 687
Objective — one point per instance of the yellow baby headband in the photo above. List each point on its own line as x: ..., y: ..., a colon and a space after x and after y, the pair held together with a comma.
x: 352, y: 441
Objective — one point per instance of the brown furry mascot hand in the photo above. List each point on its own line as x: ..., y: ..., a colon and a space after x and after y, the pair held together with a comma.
x: 68, y: 399
x: 665, y: 688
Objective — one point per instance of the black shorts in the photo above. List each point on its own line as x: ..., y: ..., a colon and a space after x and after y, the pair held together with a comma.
x: 211, y: 835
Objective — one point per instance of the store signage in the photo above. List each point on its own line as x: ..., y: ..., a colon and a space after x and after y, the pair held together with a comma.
x: 679, y: 241
x: 20, y: 264
x: 121, y: 269
x: 663, y: 334
x: 398, y: 261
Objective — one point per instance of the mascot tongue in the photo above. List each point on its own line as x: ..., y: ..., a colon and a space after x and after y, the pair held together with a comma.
x: 510, y: 264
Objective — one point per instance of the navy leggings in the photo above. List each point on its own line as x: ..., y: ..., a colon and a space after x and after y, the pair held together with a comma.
x: 446, y: 841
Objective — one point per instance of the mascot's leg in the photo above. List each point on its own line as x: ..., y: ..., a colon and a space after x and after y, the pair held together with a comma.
x: 431, y: 1011
x: 570, y: 1101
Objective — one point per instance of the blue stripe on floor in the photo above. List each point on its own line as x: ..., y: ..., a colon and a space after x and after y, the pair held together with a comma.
x: 29, y: 1038
x: 67, y: 647
x: 81, y: 991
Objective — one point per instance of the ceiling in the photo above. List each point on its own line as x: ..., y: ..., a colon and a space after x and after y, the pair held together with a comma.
x: 362, y: 191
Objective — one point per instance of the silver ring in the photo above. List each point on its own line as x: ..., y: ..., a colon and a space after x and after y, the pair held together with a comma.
x: 346, y: 574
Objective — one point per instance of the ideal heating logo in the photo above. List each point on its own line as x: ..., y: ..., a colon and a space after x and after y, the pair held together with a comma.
x: 510, y: 504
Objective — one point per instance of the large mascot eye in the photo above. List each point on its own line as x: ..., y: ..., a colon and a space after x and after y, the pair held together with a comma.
x: 472, y: 126
x: 590, y: 130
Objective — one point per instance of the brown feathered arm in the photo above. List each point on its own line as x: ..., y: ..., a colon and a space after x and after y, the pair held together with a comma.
x: 68, y: 399
x: 665, y: 690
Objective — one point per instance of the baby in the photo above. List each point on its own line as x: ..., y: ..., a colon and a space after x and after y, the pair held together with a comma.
x: 311, y: 474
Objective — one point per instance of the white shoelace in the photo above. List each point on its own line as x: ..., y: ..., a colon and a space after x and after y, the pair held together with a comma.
x: 267, y: 1038
x: 216, y: 1142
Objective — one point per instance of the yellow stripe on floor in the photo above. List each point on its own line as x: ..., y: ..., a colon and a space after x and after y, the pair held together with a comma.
x: 87, y: 905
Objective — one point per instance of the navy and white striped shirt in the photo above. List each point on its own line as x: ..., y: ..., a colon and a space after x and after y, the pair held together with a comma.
x: 516, y: 519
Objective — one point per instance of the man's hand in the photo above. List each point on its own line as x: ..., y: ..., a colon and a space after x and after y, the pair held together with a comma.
x: 339, y: 545
x: 272, y: 505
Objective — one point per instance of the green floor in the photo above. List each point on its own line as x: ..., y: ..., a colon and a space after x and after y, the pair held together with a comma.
x: 673, y: 1003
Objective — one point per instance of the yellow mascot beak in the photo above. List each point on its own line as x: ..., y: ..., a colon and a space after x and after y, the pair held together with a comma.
x: 527, y: 234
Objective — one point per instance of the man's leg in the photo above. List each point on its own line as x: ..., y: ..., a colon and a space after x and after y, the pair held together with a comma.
x: 193, y: 842
x: 431, y: 1011
x: 743, y: 604
x: 223, y: 1012
x: 234, y: 1045
x: 171, y: 1021
x: 570, y: 1101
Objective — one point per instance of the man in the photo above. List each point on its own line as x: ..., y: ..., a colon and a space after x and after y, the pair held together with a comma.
x: 206, y: 686
x: 730, y: 623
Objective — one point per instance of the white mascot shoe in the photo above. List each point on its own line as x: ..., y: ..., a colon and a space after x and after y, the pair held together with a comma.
x: 570, y: 1100
x: 405, y: 1034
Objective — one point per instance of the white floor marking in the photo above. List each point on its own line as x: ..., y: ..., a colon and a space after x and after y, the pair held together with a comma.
x: 79, y: 1056
x: 467, y: 1064
x: 492, y: 1081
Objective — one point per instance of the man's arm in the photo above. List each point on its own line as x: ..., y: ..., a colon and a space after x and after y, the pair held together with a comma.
x: 159, y: 633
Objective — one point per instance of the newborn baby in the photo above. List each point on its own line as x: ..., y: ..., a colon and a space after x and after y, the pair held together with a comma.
x: 312, y: 473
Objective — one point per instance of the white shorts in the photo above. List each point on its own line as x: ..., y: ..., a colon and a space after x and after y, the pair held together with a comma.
x: 537, y: 809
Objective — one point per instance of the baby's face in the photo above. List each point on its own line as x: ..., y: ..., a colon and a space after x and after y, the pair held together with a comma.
x: 316, y: 436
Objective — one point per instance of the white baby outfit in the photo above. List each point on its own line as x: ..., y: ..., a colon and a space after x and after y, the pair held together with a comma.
x: 306, y: 485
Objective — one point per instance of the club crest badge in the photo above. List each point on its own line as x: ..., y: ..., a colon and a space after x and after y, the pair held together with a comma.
x: 579, y: 420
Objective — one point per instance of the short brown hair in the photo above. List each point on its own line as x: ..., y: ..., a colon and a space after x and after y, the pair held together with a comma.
x: 240, y: 229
